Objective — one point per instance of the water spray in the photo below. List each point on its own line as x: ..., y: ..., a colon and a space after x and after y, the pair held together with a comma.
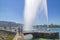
x: 30, y: 12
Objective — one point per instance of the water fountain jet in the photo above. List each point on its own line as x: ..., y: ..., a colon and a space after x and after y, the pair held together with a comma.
x: 30, y: 12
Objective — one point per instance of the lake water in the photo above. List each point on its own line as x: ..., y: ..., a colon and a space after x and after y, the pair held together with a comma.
x: 56, y: 29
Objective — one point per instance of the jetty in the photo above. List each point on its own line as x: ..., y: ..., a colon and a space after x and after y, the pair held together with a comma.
x: 43, y: 34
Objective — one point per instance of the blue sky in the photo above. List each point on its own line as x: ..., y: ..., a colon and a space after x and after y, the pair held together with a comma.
x: 12, y: 10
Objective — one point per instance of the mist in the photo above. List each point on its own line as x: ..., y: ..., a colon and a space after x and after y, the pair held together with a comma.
x: 30, y: 12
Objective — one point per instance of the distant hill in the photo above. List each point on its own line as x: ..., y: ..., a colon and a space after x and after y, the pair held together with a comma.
x: 50, y: 26
x: 14, y: 24
x: 9, y: 24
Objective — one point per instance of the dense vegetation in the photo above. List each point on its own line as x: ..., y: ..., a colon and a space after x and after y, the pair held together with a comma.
x: 54, y: 26
x: 5, y: 35
x: 50, y: 26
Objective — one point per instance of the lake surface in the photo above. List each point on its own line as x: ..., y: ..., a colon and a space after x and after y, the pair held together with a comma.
x: 56, y: 29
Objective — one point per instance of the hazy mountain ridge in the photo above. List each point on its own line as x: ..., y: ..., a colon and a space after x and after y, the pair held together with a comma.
x: 9, y: 24
x: 14, y: 24
x: 50, y: 26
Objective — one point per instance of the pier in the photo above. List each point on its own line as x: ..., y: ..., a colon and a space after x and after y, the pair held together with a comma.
x: 43, y: 34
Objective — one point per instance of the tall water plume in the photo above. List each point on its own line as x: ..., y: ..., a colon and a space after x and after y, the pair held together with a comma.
x: 30, y: 12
